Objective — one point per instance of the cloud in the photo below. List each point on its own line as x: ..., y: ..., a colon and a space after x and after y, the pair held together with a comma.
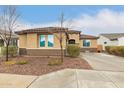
x: 104, y: 21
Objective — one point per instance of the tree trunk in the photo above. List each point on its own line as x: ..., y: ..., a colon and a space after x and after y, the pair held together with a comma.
x: 62, y: 57
x: 66, y: 47
x: 7, y: 52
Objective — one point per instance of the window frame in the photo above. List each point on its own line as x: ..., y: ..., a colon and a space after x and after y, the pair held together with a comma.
x: 50, y: 40
x: 40, y: 41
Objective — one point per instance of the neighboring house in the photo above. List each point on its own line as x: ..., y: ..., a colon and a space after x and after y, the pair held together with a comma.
x: 88, y: 43
x: 45, y: 42
x: 111, y: 39
x: 13, y: 41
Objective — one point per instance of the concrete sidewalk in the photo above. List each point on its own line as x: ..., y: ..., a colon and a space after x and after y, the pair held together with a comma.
x: 16, y: 81
x: 67, y: 78
x: 75, y: 78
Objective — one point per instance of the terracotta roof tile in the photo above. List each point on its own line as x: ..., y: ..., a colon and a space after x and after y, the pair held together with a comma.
x: 46, y: 30
x: 88, y: 37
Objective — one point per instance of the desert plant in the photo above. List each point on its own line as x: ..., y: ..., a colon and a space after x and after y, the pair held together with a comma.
x: 73, y: 50
x: 107, y: 49
x: 12, y: 51
x: 1, y: 45
x: 112, y: 50
x: 55, y: 61
x: 22, y: 62
x: 10, y: 63
x: 115, y: 50
x: 120, y: 50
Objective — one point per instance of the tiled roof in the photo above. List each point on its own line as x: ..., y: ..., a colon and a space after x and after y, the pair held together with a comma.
x: 88, y: 37
x: 113, y: 36
x: 46, y: 30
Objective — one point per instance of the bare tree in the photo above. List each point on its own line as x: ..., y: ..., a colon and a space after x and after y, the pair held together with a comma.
x: 60, y: 38
x: 65, y: 23
x: 8, y: 24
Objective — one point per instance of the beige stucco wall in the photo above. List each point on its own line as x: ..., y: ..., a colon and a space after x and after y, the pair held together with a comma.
x: 56, y: 40
x: 32, y: 40
x: 76, y: 37
x: 71, y: 36
x: 23, y: 41
x: 93, y: 43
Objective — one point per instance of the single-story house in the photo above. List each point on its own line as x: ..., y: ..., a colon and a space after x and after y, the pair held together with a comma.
x: 45, y: 42
x: 111, y: 39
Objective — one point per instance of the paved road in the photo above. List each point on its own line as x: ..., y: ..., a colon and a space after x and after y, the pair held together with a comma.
x: 100, y: 61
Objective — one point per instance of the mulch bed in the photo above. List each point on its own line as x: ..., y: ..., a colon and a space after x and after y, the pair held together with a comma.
x: 39, y: 66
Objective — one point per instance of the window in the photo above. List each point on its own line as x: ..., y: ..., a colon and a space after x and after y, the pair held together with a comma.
x: 105, y: 42
x: 71, y: 41
x: 86, y: 43
x: 42, y: 40
x: 50, y: 40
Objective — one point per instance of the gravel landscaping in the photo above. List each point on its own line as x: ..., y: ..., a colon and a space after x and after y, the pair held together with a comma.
x: 39, y: 65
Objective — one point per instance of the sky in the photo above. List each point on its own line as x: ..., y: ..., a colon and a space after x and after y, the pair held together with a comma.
x: 92, y: 19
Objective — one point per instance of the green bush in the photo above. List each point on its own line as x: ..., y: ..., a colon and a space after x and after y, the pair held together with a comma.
x: 22, y: 62
x: 1, y: 45
x: 12, y: 50
x: 107, y: 48
x: 73, y: 50
x: 120, y: 50
x: 54, y: 61
x: 115, y: 50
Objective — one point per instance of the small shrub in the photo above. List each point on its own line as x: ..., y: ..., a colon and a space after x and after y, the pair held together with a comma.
x: 115, y: 50
x: 1, y: 45
x: 10, y: 63
x: 12, y: 50
x: 22, y: 62
x: 120, y: 50
x: 54, y: 61
x: 107, y: 48
x: 73, y: 50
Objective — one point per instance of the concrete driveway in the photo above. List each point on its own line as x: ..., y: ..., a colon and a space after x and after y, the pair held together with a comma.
x: 104, y: 62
